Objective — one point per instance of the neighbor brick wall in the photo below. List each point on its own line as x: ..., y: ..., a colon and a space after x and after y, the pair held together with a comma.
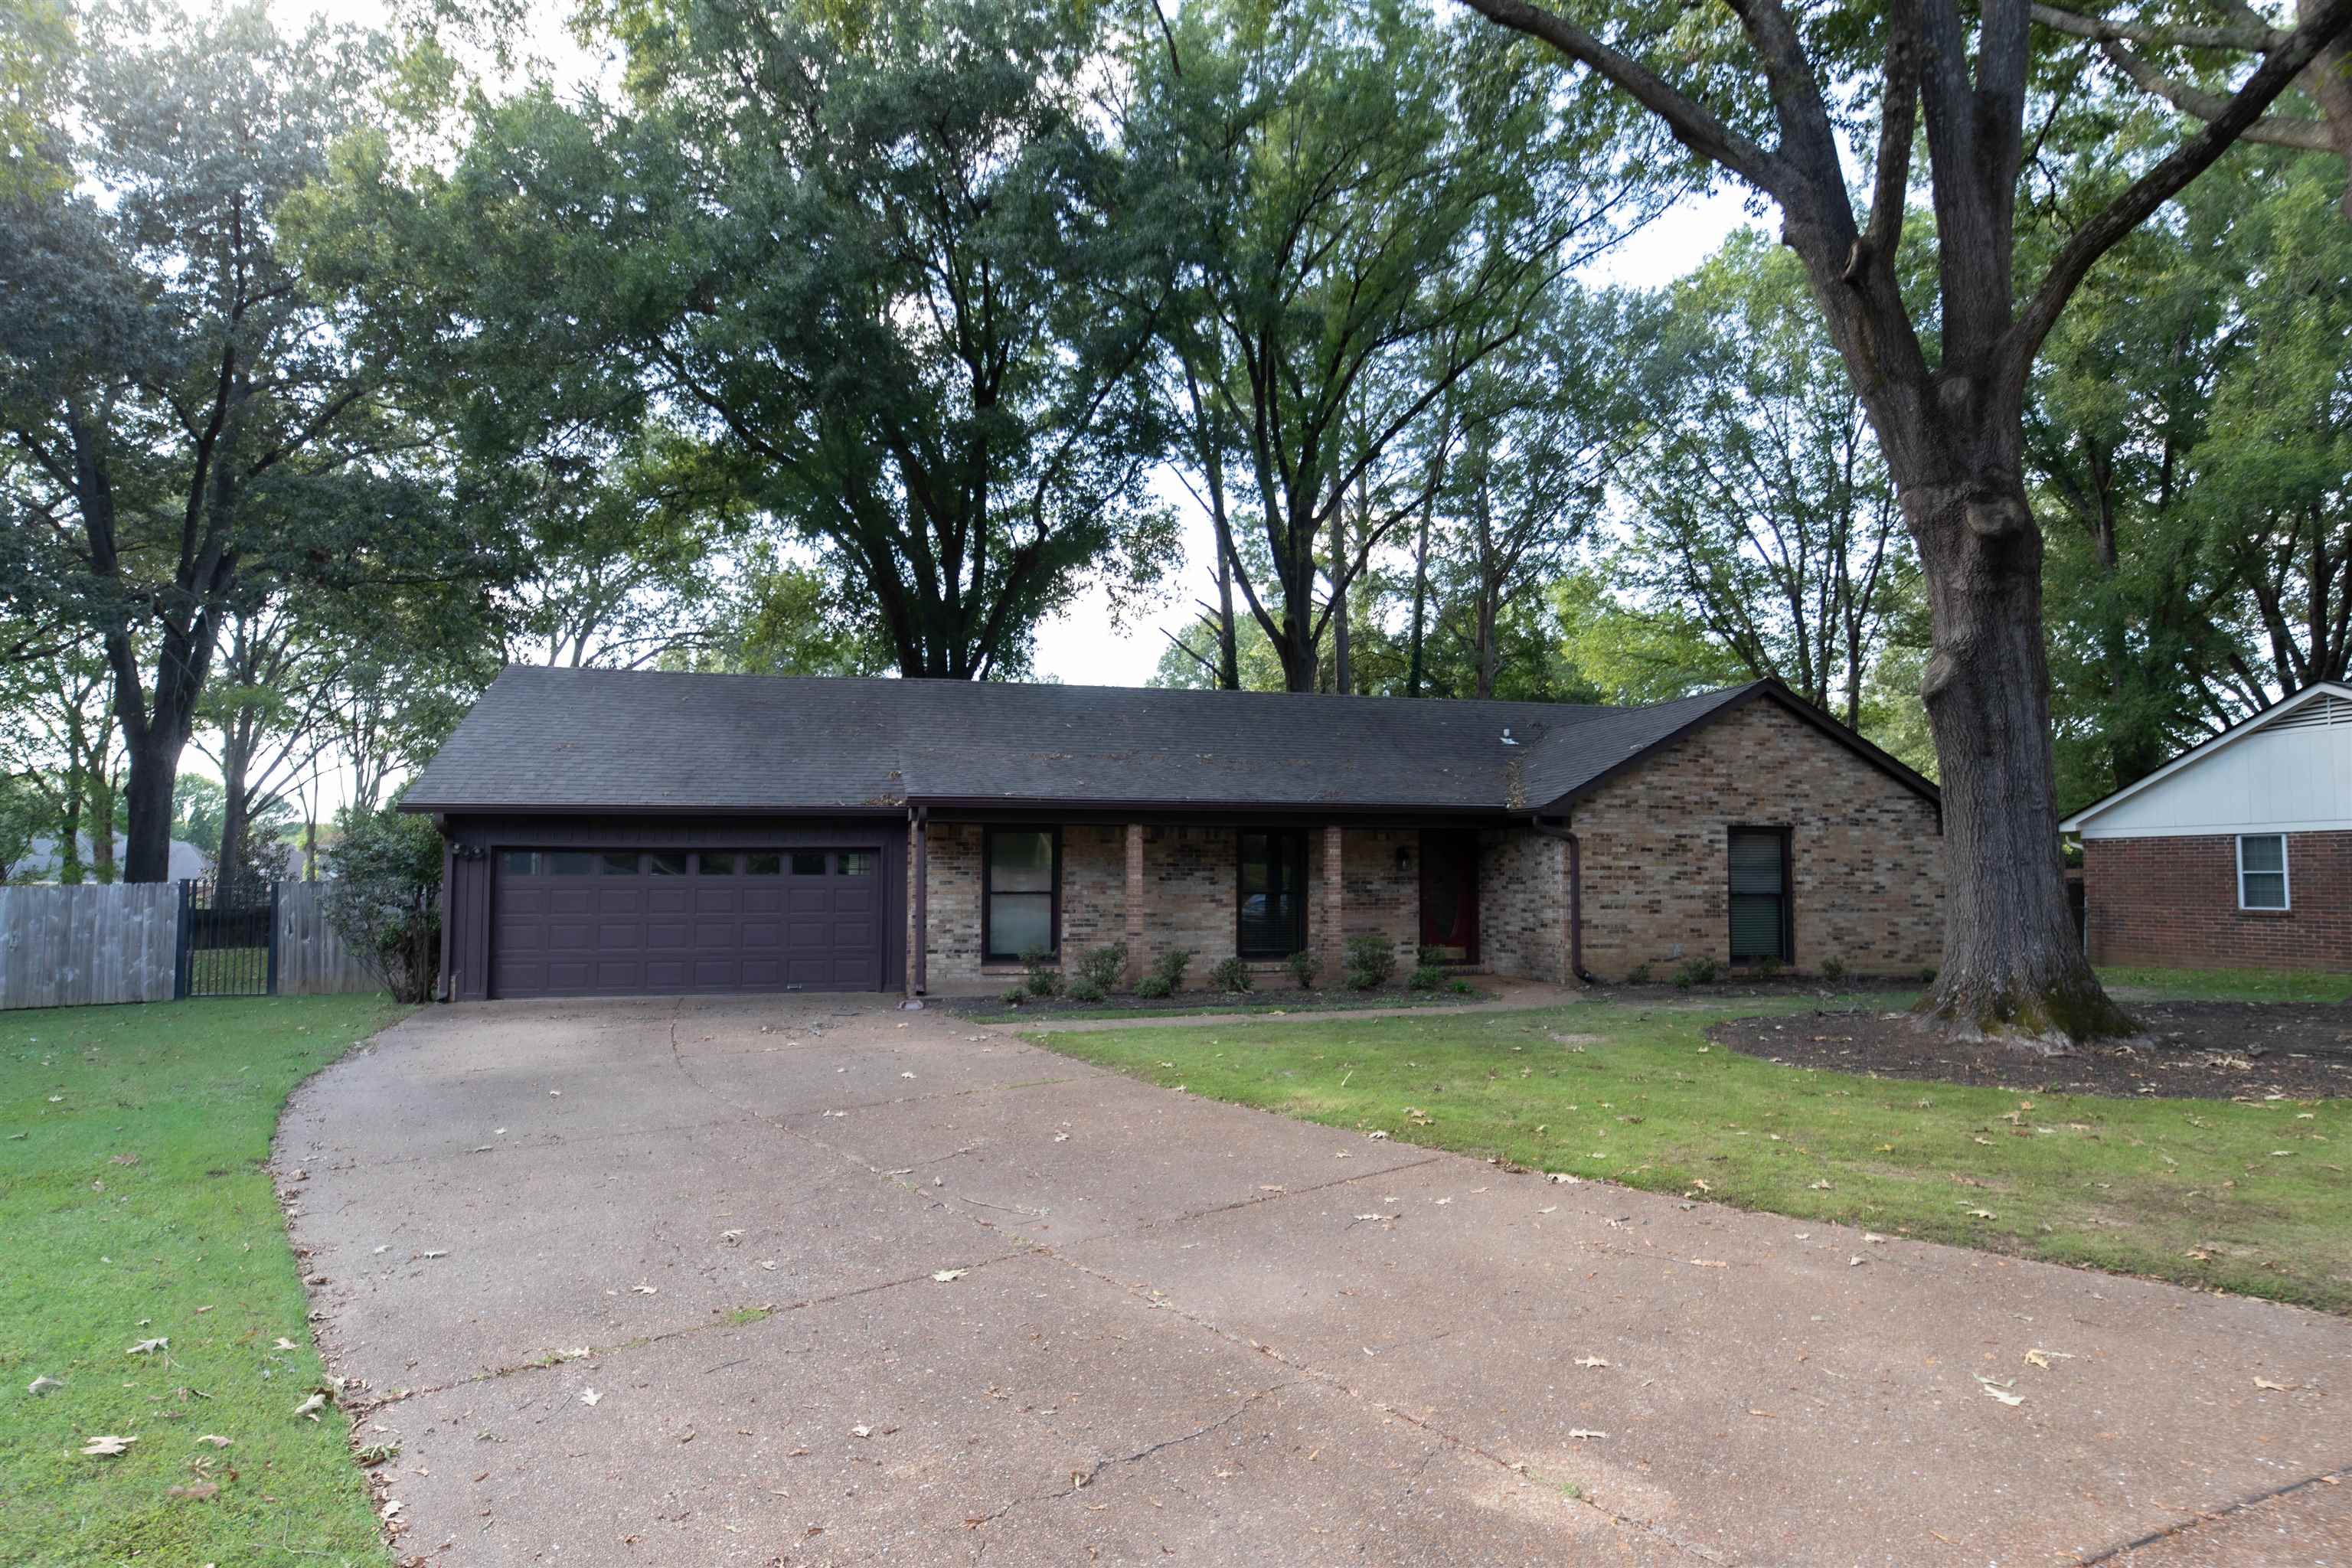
x: 1189, y: 882
x: 2173, y: 903
x: 1865, y: 856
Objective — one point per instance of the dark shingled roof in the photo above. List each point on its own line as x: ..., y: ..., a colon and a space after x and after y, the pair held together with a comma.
x: 578, y: 740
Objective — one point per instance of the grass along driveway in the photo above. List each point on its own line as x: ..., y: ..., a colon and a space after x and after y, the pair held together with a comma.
x: 2247, y: 1197
x: 136, y: 1208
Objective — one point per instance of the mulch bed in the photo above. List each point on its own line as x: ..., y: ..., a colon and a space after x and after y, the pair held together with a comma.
x: 2195, y: 1051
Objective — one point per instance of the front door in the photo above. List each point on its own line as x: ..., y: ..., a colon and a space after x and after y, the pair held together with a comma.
x: 1449, y: 898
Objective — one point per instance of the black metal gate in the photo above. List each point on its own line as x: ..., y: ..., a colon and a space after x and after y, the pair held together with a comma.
x: 228, y: 940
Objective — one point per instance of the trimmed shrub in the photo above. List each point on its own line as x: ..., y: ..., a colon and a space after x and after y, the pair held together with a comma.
x: 1154, y: 988
x: 1304, y: 965
x: 1045, y: 973
x: 1170, y: 967
x: 1462, y: 988
x: 1371, y: 961
x: 1697, y: 972
x: 1765, y: 969
x: 1084, y: 989
x: 1834, y: 969
x: 1425, y: 977
x: 1101, y: 968
x: 1233, y: 974
x: 386, y: 898
x: 1014, y: 996
x: 1639, y: 974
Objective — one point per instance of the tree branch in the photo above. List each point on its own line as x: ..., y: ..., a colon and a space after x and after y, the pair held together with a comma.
x: 2277, y: 72
x: 2250, y: 40
x: 2272, y: 130
x: 1691, y: 124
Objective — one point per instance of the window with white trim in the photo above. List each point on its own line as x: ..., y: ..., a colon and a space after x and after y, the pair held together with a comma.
x: 2262, y: 871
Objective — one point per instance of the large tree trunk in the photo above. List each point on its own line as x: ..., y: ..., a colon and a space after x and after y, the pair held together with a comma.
x: 1416, y: 663
x: 147, y: 803
x: 2012, y: 966
x: 1343, y: 664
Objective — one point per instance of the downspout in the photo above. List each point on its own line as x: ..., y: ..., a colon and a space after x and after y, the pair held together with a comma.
x: 441, y: 984
x: 1575, y: 895
x: 921, y: 817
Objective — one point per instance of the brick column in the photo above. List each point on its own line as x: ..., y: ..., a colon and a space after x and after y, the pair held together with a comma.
x: 1137, y: 959
x: 1334, y: 942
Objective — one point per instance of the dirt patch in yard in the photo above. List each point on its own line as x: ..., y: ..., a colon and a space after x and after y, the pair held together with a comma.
x: 2194, y: 1050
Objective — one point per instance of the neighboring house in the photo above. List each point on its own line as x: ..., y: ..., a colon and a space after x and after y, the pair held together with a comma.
x: 632, y: 832
x: 42, y: 862
x: 2237, y: 854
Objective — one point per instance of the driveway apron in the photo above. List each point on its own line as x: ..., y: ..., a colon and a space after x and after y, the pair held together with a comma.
x: 800, y: 1281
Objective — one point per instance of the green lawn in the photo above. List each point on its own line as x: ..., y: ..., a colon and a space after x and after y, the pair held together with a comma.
x: 134, y: 1208
x: 2253, y: 1198
x: 2228, y: 985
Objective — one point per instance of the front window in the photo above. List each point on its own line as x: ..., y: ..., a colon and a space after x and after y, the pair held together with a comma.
x: 1020, y: 907
x: 1760, y: 894
x: 2262, y: 871
x: 1273, y: 917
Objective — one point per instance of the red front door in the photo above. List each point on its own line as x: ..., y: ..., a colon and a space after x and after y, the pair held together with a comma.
x: 1449, y: 898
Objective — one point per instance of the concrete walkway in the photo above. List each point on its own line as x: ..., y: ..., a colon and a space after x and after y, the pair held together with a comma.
x: 805, y: 1280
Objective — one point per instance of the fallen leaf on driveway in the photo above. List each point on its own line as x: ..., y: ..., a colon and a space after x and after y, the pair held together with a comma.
x: 1376, y: 1137
x: 1708, y: 1263
x: 2042, y: 1358
x: 1871, y: 1236
x: 437, y: 1254
x: 767, y: 1263
x: 108, y: 1446
x: 588, y: 1397
x: 1999, y: 1391
x: 1589, y: 1361
x: 1856, y: 1262
x: 644, y: 1289
x: 1553, y: 1209
x: 1582, y: 1432
x: 2273, y: 1387
x: 1565, y: 1177
x: 861, y: 1431
x: 943, y: 1275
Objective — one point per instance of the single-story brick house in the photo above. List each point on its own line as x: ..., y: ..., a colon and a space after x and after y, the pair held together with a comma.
x: 615, y: 832
x: 2237, y: 854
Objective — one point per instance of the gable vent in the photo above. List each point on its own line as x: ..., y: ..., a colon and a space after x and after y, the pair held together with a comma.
x: 2329, y: 710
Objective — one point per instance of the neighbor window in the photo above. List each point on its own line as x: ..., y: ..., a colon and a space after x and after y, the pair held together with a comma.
x: 667, y: 862
x: 2262, y: 871
x: 1020, y: 907
x: 1760, y: 894
x: 1272, y: 922
x: 857, y: 863
x: 712, y: 864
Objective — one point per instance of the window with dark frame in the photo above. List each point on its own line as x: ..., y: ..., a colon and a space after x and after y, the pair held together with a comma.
x: 1760, y: 894
x: 1270, y: 919
x: 1020, y: 903
x: 2262, y: 871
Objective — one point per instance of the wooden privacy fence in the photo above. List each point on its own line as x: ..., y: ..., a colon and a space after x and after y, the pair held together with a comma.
x: 60, y: 947
x: 149, y: 942
x: 311, y: 959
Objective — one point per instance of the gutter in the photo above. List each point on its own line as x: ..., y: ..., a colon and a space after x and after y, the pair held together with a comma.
x: 1575, y: 894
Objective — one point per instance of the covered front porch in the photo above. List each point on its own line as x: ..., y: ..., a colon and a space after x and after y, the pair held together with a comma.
x: 990, y: 891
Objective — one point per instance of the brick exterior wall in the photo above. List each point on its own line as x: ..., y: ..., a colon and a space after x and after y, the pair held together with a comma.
x: 1865, y: 858
x: 1866, y: 862
x: 1522, y: 906
x: 2173, y: 903
x: 1189, y: 877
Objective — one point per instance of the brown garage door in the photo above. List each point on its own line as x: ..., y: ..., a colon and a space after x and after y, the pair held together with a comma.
x: 635, y: 922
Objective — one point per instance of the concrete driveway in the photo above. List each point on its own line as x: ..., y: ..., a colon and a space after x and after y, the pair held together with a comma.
x: 659, y: 1282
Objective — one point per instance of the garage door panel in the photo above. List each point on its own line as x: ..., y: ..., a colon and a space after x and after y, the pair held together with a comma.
x: 574, y: 922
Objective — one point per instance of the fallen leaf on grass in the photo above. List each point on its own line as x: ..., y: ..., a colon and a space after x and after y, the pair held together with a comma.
x: 108, y: 1446
x: 148, y: 1347
x: 43, y: 1385
x: 215, y: 1438
x: 311, y: 1406
x: 285, y: 1345
x: 199, y: 1492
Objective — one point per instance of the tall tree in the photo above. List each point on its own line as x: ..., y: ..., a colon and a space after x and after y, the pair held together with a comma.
x: 1363, y: 207
x: 872, y: 259
x: 1771, y: 104
x: 1762, y: 504
x: 176, y: 393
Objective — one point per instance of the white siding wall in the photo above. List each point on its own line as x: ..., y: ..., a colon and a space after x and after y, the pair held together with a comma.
x: 2293, y: 780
